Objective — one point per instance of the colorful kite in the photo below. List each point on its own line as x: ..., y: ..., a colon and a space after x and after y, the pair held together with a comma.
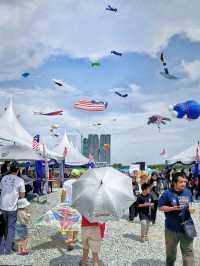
x: 106, y: 147
x: 166, y: 73
x: 110, y: 8
x: 49, y: 114
x: 189, y: 110
x: 91, y: 105
x: 158, y: 120
x: 62, y: 217
x: 95, y: 64
x: 97, y: 124
x: 121, y: 95
x: 116, y: 53
x: 163, y: 152
x: 25, y: 75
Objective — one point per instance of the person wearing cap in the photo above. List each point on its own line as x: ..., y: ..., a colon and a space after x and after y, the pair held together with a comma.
x: 66, y: 197
x: 21, y: 229
x: 12, y: 188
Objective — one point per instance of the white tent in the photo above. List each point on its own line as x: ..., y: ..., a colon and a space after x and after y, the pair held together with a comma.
x: 187, y: 156
x: 73, y: 156
x: 17, y: 142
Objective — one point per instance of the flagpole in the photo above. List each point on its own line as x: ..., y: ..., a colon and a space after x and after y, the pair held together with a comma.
x: 46, y: 170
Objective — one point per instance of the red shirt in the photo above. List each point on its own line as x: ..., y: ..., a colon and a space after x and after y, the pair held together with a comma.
x: 50, y: 176
x: 85, y: 223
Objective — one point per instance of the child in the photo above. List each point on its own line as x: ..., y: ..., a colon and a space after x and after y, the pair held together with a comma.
x: 145, y: 204
x: 21, y: 229
x: 92, y: 235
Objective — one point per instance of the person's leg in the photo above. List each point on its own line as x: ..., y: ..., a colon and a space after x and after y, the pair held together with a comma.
x: 3, y: 231
x: 11, y: 222
x: 85, y: 257
x: 154, y: 212
x: 143, y: 230
x: 147, y: 230
x: 171, y: 242
x: 84, y: 237
x: 186, y: 246
x: 131, y: 212
x: 95, y: 257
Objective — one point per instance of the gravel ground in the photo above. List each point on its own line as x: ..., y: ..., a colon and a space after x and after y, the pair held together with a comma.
x: 121, y: 246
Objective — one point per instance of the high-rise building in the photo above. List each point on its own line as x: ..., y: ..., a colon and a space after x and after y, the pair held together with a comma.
x: 93, y: 146
x: 98, y: 147
x: 85, y: 147
x: 105, y: 145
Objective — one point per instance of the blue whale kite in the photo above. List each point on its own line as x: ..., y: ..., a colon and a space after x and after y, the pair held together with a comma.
x: 189, y: 110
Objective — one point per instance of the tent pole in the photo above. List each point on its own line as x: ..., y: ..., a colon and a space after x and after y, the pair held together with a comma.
x: 46, y: 171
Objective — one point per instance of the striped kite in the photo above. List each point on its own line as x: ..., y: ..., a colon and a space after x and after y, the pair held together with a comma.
x: 166, y: 73
x: 60, y: 112
x: 91, y: 105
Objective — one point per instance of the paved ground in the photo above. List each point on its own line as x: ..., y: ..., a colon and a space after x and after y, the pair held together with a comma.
x: 121, y: 246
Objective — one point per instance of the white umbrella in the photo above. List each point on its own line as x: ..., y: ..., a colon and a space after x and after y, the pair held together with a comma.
x: 102, y: 194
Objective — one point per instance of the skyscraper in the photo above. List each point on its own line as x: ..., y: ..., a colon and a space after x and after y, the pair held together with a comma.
x: 85, y: 147
x: 93, y: 146
x: 105, y: 145
x: 98, y: 147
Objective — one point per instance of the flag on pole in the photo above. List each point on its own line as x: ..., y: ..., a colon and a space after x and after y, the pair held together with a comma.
x: 36, y: 142
x: 65, y: 152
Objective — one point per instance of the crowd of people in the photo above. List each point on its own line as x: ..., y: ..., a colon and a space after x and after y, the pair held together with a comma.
x: 170, y: 192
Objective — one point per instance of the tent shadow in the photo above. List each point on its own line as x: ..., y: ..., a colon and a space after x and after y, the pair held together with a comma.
x: 132, y: 237
x: 70, y: 260
x: 148, y: 262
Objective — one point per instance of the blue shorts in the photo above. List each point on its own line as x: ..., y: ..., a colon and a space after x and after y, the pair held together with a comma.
x: 21, y: 232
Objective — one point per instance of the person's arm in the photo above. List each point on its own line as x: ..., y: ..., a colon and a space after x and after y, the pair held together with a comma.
x: 22, y: 189
x: 169, y: 208
x: 147, y: 204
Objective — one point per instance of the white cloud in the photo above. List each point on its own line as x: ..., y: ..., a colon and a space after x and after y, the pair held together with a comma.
x: 192, y: 69
x: 32, y: 31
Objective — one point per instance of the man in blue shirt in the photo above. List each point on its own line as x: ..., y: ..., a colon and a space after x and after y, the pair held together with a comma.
x: 171, y: 203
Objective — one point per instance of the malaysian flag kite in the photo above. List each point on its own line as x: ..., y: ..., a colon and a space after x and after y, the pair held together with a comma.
x: 90, y: 105
x: 36, y: 142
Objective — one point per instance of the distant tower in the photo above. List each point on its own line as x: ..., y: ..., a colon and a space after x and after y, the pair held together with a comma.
x: 105, y: 154
x: 93, y: 146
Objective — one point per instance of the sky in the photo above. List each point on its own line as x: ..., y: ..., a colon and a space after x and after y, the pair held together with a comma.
x: 60, y: 39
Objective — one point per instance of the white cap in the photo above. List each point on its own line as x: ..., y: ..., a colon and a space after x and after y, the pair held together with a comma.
x: 22, y: 203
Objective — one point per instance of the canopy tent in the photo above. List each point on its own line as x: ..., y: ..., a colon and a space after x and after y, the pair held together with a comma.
x: 17, y: 142
x: 187, y: 156
x: 69, y: 153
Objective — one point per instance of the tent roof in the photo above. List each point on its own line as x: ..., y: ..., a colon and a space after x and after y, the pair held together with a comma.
x: 73, y: 156
x: 11, y: 128
x: 186, y: 156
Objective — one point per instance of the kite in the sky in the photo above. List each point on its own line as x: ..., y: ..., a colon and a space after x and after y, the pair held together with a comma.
x: 110, y: 8
x: 106, y: 147
x: 166, y: 73
x: 97, y: 124
x: 163, y: 152
x: 59, y: 83
x: 95, y: 64
x: 91, y: 105
x: 55, y: 135
x: 116, y: 53
x: 60, y: 112
x: 158, y: 120
x: 189, y: 110
x: 121, y: 94
x: 25, y: 74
